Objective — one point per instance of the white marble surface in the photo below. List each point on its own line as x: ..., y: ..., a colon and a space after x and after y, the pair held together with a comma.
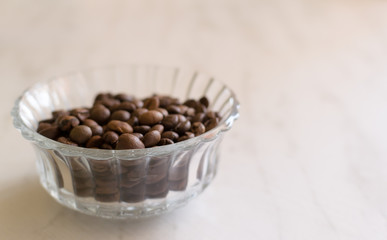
x: 306, y: 160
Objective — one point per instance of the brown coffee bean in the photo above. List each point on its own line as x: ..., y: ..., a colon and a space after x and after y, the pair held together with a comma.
x: 142, y: 129
x: 129, y: 141
x: 200, y: 108
x: 165, y: 141
x: 89, y: 122
x: 66, y: 123
x: 66, y: 141
x: 173, y: 109
x: 133, y: 121
x: 51, y: 132
x: 192, y: 103
x: 120, y: 126
x: 170, y: 135
x: 211, y: 123
x: 186, y: 136
x: 100, y: 114
x: 152, y: 103
x: 94, y: 142
x: 96, y: 130
x: 183, y: 127
x: 43, y: 125
x: 181, y: 118
x: 158, y: 127
x: 127, y: 106
x: 139, y: 135
x: 123, y: 97
x: 204, y: 101
x: 106, y: 146
x: 80, y: 134
x: 151, y: 138
x: 59, y: 113
x: 150, y: 118
x: 108, y: 102
x: 190, y: 112
x: 102, y: 96
x: 139, y: 111
x: 170, y: 121
x: 121, y: 115
x: 166, y: 101
x: 138, y: 103
x: 199, y: 117
x: 163, y: 111
x: 211, y: 114
x: 198, y: 128
x: 80, y: 113
x: 110, y: 137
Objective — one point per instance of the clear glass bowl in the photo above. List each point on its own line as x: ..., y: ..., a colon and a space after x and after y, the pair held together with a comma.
x: 124, y: 183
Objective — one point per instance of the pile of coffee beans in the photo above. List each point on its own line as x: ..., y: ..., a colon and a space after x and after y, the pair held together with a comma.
x: 122, y: 121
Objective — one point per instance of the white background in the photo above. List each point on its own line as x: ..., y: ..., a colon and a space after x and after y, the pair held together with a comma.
x: 306, y: 160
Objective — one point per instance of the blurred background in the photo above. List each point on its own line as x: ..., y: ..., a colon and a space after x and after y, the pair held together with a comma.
x: 306, y: 159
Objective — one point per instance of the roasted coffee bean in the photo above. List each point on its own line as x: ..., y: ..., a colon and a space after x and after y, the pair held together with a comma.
x: 94, y: 142
x: 80, y: 134
x: 108, y: 102
x: 89, y: 122
x: 138, y: 103
x: 170, y: 135
x: 198, y: 128
x: 43, y: 125
x: 66, y: 141
x: 133, y: 121
x: 204, y: 101
x: 142, y: 129
x: 66, y: 123
x: 51, y: 132
x: 139, y: 135
x: 110, y: 137
x: 158, y: 127
x: 152, y: 103
x: 186, y: 136
x: 183, y: 109
x: 165, y: 141
x: 170, y: 121
x: 191, y: 103
x: 181, y: 118
x: 96, y: 130
x: 200, y: 108
x: 123, y: 97
x: 151, y: 138
x: 163, y: 111
x: 80, y: 113
x: 139, y: 111
x: 173, y: 109
x: 100, y: 113
x: 102, y: 96
x: 210, y: 114
x: 120, y: 126
x: 166, y: 101
x: 129, y: 141
x: 59, y: 113
x: 106, y: 146
x: 190, y: 112
x: 121, y: 115
x: 150, y: 118
x: 211, y: 123
x: 127, y: 106
x: 199, y: 117
x: 183, y: 127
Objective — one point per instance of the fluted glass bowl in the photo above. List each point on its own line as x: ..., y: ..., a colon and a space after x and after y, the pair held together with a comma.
x: 124, y: 183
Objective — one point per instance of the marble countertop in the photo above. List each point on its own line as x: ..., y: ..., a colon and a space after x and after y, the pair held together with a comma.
x: 306, y: 160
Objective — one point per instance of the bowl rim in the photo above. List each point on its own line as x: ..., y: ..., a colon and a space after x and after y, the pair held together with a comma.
x: 127, y: 154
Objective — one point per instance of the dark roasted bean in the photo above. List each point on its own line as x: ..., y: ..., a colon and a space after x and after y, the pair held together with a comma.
x: 152, y: 103
x: 120, y: 126
x: 59, y: 113
x: 139, y: 135
x: 198, y: 128
x: 165, y: 141
x: 129, y: 141
x: 139, y: 111
x: 151, y: 138
x: 199, y: 117
x: 211, y: 123
x: 80, y: 113
x: 43, y: 125
x: 80, y: 134
x: 204, y: 101
x: 66, y: 123
x: 94, y: 142
x: 158, y: 127
x: 127, y: 106
x: 110, y: 137
x: 183, y: 127
x: 170, y: 121
x: 133, y: 121
x: 89, y: 122
x: 51, y: 132
x: 121, y: 115
x: 142, y: 129
x: 100, y: 114
x: 173, y: 109
x: 66, y: 141
x: 163, y: 111
x: 123, y: 97
x: 150, y: 118
x: 170, y: 135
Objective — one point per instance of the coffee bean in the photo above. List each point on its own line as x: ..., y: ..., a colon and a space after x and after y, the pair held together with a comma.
x: 138, y: 103
x: 151, y: 117
x: 80, y: 113
x: 96, y: 130
x: 186, y: 136
x: 94, y: 142
x: 120, y: 126
x: 151, y: 138
x: 129, y: 141
x: 173, y: 109
x: 108, y: 102
x: 198, y: 128
x: 100, y: 113
x: 199, y: 117
x: 51, y: 132
x: 181, y: 118
x: 66, y: 141
x: 110, y: 137
x: 139, y: 111
x: 211, y: 123
x: 158, y: 127
x: 190, y: 112
x: 43, y: 125
x: 143, y: 129
x: 165, y: 141
x: 170, y: 121
x: 60, y: 113
x: 210, y: 114
x: 102, y: 96
x: 152, y: 103
x: 192, y: 103
x: 183, y: 127
x: 163, y: 111
x: 204, y: 101
x: 123, y: 97
x: 133, y: 121
x: 127, y: 106
x: 106, y: 146
x: 200, y: 108
x: 170, y: 135
x: 89, y: 122
x: 80, y: 134
x: 139, y: 135
x: 66, y: 123
x: 121, y: 115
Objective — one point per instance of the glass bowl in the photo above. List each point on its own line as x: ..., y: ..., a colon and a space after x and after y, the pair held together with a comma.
x: 124, y: 183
